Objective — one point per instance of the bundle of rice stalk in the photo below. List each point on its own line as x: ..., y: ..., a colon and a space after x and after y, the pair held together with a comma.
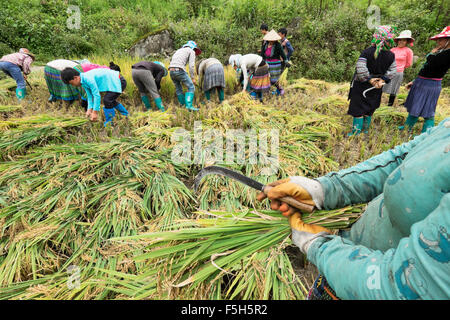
x: 41, y: 120
x: 10, y: 108
x: 17, y: 140
x: 83, y: 192
x: 282, y: 80
x: 201, y: 254
x: 153, y: 119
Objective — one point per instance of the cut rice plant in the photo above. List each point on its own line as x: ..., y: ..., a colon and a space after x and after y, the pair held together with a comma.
x: 117, y: 204
x: 10, y: 108
x: 240, y: 252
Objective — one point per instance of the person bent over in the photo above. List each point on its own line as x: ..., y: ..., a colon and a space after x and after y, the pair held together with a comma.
x: 14, y: 65
x: 95, y: 81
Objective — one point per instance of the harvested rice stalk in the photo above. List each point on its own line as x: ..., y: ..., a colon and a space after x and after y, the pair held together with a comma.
x: 208, y: 250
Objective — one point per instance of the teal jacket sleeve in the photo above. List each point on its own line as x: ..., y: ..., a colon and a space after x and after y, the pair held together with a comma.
x: 416, y: 269
x: 365, y: 181
x: 92, y: 92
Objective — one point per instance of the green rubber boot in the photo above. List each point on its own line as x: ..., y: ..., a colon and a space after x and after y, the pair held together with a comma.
x: 428, y: 123
x: 158, y: 102
x: 21, y: 93
x: 208, y: 95
x: 181, y: 99
x: 146, y: 102
x: 410, y: 122
x: 366, y: 124
x: 221, y: 93
x: 357, y: 127
x: 189, y: 98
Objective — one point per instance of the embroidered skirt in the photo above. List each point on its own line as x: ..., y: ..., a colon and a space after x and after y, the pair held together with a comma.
x: 57, y: 88
x: 260, y: 81
x: 275, y: 70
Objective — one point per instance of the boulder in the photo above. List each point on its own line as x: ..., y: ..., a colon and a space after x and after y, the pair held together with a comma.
x: 155, y: 43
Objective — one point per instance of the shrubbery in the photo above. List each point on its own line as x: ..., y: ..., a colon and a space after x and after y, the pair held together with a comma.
x: 327, y: 35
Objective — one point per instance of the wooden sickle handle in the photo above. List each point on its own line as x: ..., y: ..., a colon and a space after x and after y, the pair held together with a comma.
x: 292, y: 202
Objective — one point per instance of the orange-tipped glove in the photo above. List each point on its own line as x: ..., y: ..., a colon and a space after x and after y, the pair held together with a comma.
x: 303, y: 234
x: 302, y: 189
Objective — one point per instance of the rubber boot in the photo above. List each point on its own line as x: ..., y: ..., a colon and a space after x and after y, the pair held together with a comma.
x: 110, y: 113
x: 391, y: 100
x: 260, y: 96
x: 181, y: 99
x: 366, y: 124
x: 159, y: 105
x: 357, y: 127
x: 189, y: 99
x: 254, y: 95
x: 146, y: 102
x: 208, y: 95
x: 221, y: 94
x: 121, y: 110
x: 428, y: 123
x: 52, y: 98
x: 21, y: 93
x: 410, y: 122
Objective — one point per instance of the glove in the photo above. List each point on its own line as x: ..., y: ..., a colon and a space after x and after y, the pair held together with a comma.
x: 287, y: 63
x: 303, y: 235
x: 302, y: 189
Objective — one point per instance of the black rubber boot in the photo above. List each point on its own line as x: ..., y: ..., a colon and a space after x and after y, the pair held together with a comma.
x: 391, y: 100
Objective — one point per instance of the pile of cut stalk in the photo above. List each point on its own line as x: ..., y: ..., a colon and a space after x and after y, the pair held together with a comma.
x: 94, y: 213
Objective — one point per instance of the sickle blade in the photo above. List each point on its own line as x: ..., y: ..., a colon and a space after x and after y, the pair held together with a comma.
x: 227, y: 173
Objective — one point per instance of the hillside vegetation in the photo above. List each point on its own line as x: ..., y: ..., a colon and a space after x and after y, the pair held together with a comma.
x: 327, y: 35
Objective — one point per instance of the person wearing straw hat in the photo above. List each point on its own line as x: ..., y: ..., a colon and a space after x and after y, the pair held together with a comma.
x: 403, y: 60
x: 426, y: 88
x: 147, y: 76
x: 273, y: 53
x: 211, y: 76
x: 255, y: 72
x: 185, y: 55
x: 18, y: 66
x: 375, y: 67
x: 399, y: 248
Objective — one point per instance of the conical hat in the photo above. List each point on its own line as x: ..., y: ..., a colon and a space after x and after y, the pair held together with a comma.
x: 444, y: 34
x: 272, y: 35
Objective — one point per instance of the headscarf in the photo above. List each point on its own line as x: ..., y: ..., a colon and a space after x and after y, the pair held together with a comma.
x: 235, y: 60
x: 191, y: 44
x: 383, y: 39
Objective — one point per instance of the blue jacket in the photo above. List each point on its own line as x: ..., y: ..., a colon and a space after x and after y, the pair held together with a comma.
x: 287, y: 47
x: 99, y: 80
x: 400, y: 247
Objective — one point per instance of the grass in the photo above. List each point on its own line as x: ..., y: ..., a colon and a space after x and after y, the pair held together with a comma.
x: 114, y: 203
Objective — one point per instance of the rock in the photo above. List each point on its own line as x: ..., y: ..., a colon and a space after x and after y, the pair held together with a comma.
x: 153, y: 44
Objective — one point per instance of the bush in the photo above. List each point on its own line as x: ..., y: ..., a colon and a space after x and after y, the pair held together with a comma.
x: 327, y: 36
